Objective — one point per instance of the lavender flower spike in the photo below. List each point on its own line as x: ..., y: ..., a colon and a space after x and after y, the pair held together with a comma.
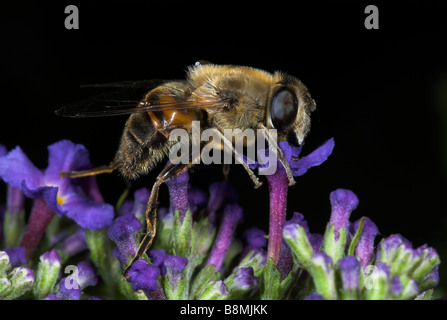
x: 231, y: 217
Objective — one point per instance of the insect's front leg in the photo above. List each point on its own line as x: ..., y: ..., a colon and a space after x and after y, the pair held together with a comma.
x: 168, y: 172
x: 92, y: 172
x: 278, y: 152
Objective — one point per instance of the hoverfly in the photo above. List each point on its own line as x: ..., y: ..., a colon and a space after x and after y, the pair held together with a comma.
x: 219, y: 97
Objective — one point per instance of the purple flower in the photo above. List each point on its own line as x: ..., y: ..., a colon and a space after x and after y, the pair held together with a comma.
x: 158, y: 258
x: 53, y: 297
x: 231, y: 218
x: 350, y: 274
x: 143, y: 276
x: 64, y: 196
x: 197, y: 199
x: 73, y: 244
x: 285, y: 260
x: 396, y: 286
x: 396, y: 252
x: 316, y: 240
x: 253, y: 238
x: 220, y: 193
x: 244, y: 279
x: 122, y: 232
x: 314, y: 296
x: 343, y: 202
x: 138, y: 206
x: 51, y: 257
x: 16, y: 256
x: 175, y: 266
x: 86, y: 274
x: 68, y: 290
x: 365, y: 245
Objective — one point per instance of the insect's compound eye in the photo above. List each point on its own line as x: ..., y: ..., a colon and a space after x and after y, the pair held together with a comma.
x: 283, y: 108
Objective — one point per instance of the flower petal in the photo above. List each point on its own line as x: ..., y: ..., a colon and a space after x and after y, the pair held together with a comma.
x: 87, y: 213
x: 47, y: 193
x: 315, y: 158
x: 15, y: 167
x: 65, y: 156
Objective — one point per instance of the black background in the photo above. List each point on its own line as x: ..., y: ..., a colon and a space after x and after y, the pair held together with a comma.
x: 382, y: 94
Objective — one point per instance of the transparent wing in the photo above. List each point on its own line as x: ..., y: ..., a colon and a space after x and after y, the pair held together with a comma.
x: 128, y: 100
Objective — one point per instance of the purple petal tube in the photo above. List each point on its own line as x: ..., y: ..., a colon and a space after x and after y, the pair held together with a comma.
x: 40, y: 217
x: 365, y: 246
x: 220, y: 193
x: 278, y: 186
x: 15, y: 200
x: 74, y: 243
x: 231, y: 218
x: 343, y: 202
x: 178, y: 194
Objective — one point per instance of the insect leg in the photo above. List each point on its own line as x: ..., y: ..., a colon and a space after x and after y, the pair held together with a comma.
x: 226, y: 171
x: 168, y: 172
x: 92, y: 172
x: 278, y: 152
x: 239, y: 159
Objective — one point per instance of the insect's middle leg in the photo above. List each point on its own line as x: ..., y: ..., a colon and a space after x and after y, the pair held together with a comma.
x: 168, y: 172
x: 238, y: 158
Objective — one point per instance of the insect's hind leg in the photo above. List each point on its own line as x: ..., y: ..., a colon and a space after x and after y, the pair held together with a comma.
x: 168, y: 172
x: 92, y: 172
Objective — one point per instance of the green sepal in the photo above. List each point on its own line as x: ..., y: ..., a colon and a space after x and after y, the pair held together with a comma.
x: 177, y: 293
x: 376, y: 285
x: 182, y: 233
x: 215, y: 290
x: 205, y: 276
x: 13, y: 228
x: 46, y: 278
x: 4, y: 263
x: 334, y: 248
x: 102, y: 257
x: 16, y: 284
x: 301, y: 247
x: 323, y: 277
x: 271, y: 282
x: 355, y: 239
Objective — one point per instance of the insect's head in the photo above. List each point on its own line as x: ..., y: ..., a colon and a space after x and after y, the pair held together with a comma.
x: 289, y: 109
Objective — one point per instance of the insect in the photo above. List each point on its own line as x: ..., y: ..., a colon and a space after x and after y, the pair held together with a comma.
x: 219, y: 97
